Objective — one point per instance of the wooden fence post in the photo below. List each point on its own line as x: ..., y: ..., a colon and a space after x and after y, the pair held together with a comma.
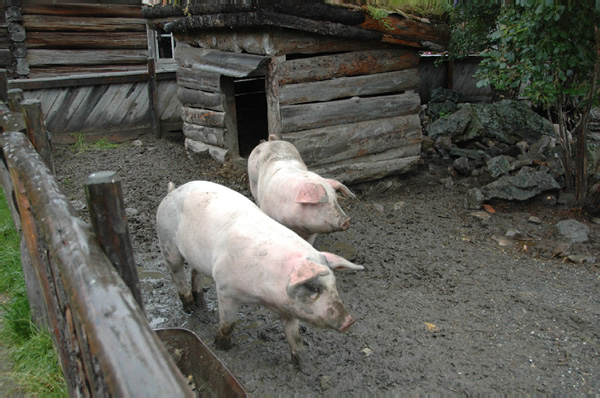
x: 36, y: 130
x: 109, y: 220
x: 15, y: 97
x: 153, y: 96
x: 3, y: 86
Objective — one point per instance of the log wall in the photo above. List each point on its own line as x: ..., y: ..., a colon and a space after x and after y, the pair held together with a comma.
x: 353, y: 115
x: 66, y: 39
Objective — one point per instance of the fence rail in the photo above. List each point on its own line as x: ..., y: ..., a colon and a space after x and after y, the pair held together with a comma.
x: 103, y: 338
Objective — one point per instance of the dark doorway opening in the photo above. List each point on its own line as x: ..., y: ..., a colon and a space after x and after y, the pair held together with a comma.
x: 251, y: 113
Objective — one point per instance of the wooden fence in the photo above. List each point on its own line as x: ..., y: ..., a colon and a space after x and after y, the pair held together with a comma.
x: 105, y: 344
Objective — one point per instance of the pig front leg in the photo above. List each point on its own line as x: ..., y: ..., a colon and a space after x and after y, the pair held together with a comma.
x: 291, y: 328
x: 227, y: 316
x: 197, y: 292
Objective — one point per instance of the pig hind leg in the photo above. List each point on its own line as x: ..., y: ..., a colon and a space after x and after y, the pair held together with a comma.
x: 228, y: 309
x: 291, y: 328
x: 174, y: 261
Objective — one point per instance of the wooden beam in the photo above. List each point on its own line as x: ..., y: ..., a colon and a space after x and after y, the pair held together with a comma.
x: 347, y: 64
x: 344, y: 87
x: 203, y: 117
x: 225, y: 63
x: 80, y: 10
x: 200, y: 99
x: 352, y: 141
x: 199, y: 80
x: 61, y: 24
x: 81, y: 40
x: 85, y: 57
x: 369, y: 167
x: 323, y: 114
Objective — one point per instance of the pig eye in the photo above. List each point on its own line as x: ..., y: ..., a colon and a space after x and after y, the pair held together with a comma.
x: 315, y: 289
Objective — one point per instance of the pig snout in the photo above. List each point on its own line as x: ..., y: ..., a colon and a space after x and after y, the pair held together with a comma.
x: 345, y: 224
x: 347, y: 323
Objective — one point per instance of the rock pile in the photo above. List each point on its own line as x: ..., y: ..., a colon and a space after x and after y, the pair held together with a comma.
x: 507, y: 140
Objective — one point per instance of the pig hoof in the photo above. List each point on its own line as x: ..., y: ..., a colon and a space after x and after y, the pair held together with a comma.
x: 222, y: 344
x: 198, y: 299
x: 299, y: 361
x: 188, y: 308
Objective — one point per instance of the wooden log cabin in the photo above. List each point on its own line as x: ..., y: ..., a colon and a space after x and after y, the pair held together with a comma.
x: 337, y: 83
x: 94, y: 67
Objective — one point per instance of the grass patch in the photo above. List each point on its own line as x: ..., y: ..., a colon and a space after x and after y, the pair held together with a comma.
x: 36, y: 367
x: 81, y: 145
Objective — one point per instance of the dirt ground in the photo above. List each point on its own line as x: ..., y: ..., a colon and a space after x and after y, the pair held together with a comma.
x: 448, y: 302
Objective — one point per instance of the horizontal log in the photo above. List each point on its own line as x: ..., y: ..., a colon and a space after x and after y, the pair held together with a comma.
x: 84, y: 24
x: 77, y: 40
x: 68, y: 71
x: 208, y: 135
x: 122, y: 354
x: 323, y: 114
x: 368, y: 168
x: 272, y: 42
x: 84, y: 57
x: 203, y: 117
x: 217, y: 153
x: 347, y: 64
x: 199, y: 80
x: 344, y: 87
x: 88, y: 10
x: 225, y: 63
x: 348, y: 141
x: 201, y: 99
x: 5, y: 58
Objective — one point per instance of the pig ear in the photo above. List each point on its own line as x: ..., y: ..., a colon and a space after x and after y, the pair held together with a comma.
x: 305, y: 271
x: 338, y: 186
x: 312, y: 193
x: 337, y: 262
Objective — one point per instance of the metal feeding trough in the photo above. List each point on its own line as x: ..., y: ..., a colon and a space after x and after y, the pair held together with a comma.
x: 207, y: 375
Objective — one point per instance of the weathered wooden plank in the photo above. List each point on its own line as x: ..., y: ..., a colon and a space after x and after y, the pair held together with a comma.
x: 344, y: 87
x: 6, y: 58
x: 86, y: 80
x: 168, y: 102
x: 78, y: 40
x: 202, y: 117
x: 54, y: 23
x: 198, y: 80
x: 368, y: 168
x: 347, y: 141
x: 208, y: 135
x: 49, y: 72
x: 347, y: 64
x: 99, y: 113
x: 225, y: 63
x: 273, y: 42
x: 323, y: 114
x: 81, y: 10
x: 128, y: 105
x: 153, y: 98
x: 85, y: 57
x: 200, y: 99
x: 88, y: 97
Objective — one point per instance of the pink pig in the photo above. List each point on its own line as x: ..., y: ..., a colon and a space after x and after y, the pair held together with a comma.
x: 297, y: 198
x: 252, y: 259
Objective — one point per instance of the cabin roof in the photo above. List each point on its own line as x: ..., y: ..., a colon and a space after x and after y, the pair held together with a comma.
x: 320, y: 18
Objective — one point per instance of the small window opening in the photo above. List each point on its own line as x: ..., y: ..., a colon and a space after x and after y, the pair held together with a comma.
x: 251, y: 113
x: 165, y: 45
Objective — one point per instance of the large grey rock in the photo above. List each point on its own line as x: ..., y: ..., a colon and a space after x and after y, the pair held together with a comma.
x: 498, y: 166
x: 573, y: 230
x: 520, y: 187
x: 504, y: 121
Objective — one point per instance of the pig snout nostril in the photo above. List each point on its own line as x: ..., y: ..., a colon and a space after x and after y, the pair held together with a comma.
x: 347, y: 323
x: 345, y: 225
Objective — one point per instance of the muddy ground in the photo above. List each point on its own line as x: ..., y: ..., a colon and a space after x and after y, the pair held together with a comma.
x: 447, y: 302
